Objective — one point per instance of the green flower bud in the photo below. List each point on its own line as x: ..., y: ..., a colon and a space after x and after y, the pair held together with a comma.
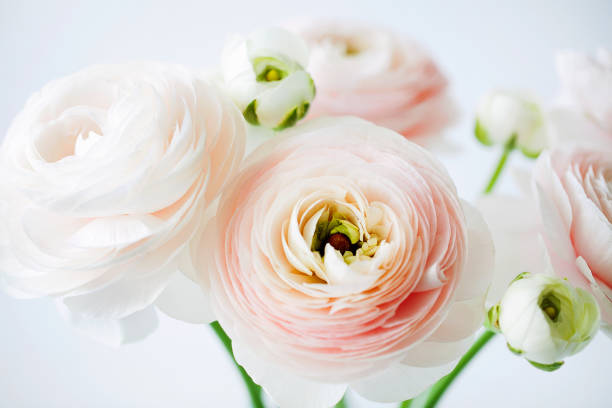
x: 545, y: 319
x: 264, y: 75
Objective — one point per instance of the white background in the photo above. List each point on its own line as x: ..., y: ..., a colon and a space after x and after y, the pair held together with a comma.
x: 480, y: 45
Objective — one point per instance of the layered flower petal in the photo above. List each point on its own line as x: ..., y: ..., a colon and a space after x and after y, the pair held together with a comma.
x: 106, y: 176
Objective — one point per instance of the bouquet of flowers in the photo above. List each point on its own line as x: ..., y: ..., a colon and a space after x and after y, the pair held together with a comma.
x: 290, y: 198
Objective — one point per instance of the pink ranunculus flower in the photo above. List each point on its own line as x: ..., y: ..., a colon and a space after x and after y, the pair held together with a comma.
x: 574, y: 193
x: 563, y: 226
x: 106, y: 175
x: 342, y: 256
x: 583, y: 115
x: 374, y: 74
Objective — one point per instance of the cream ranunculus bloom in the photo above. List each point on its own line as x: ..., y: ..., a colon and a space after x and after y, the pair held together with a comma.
x: 264, y: 73
x: 544, y: 319
x: 106, y: 177
x: 343, y: 257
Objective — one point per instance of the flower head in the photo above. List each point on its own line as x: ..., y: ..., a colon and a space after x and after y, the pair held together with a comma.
x: 264, y: 73
x: 376, y: 75
x: 545, y: 319
x: 106, y: 176
x: 510, y: 117
x: 344, y: 257
x: 573, y: 190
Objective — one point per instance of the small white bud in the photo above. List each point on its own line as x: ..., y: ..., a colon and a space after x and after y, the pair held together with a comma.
x: 264, y: 75
x: 545, y: 319
x: 511, y: 117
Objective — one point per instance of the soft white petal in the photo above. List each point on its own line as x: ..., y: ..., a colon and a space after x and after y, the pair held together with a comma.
x: 277, y: 41
x: 111, y: 332
x: 400, y: 382
x: 477, y: 272
x: 115, y: 231
x: 121, y: 298
x: 514, y: 224
x: 185, y: 300
x: 287, y: 389
x: 434, y: 353
x: 276, y: 103
x: 463, y: 319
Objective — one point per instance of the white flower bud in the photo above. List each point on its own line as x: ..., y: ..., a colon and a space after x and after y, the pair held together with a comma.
x: 264, y: 75
x: 545, y: 319
x: 511, y: 117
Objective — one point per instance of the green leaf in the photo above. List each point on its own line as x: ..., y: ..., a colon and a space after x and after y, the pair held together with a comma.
x: 481, y: 134
x: 249, y: 113
x: 547, y: 367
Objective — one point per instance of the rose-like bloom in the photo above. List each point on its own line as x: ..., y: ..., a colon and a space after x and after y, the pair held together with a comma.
x: 584, y: 113
x: 106, y: 176
x: 574, y: 192
x: 511, y: 117
x: 344, y: 257
x: 544, y: 319
x: 376, y: 75
x: 264, y: 73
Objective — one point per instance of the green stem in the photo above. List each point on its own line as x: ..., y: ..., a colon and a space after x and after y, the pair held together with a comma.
x: 341, y: 403
x: 508, y: 147
x: 254, y: 389
x: 430, y: 398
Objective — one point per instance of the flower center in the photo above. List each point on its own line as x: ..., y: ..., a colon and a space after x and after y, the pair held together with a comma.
x: 550, y: 305
x: 340, y: 242
x: 335, y: 229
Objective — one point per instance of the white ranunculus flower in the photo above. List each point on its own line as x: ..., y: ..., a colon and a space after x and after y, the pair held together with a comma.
x: 106, y: 176
x: 264, y: 73
x: 545, y: 319
x: 511, y: 117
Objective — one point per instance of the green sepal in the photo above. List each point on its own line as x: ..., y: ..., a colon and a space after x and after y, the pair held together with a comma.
x: 348, y: 229
x: 529, y: 154
x: 289, y: 120
x: 492, y: 320
x: 481, y: 134
x: 249, y: 113
x: 314, y: 89
x: 513, y: 350
x: 520, y: 276
x: 547, y: 367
